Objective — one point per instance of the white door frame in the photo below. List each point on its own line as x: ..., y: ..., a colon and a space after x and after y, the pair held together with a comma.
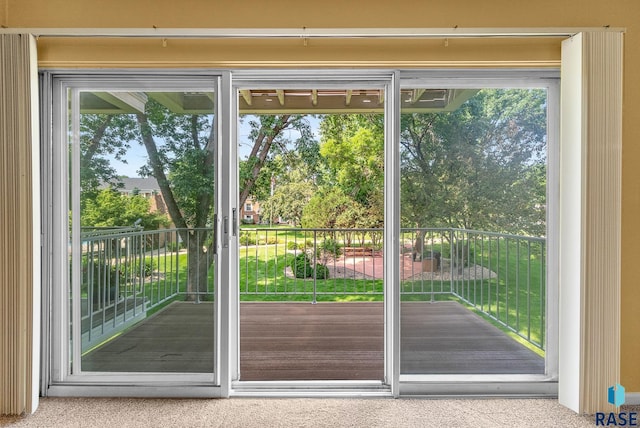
x: 227, y: 296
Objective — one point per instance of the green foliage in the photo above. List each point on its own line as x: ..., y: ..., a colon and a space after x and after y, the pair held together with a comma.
x: 102, y: 136
x: 273, y: 153
x: 271, y: 240
x: 292, y: 245
x: 324, y: 208
x: 322, y: 272
x: 110, y: 208
x: 146, y: 268
x: 353, y: 147
x: 482, y: 166
x: 175, y: 246
x: 292, y: 191
x: 357, y: 162
x: 247, y: 238
x: 302, y: 267
x: 330, y: 247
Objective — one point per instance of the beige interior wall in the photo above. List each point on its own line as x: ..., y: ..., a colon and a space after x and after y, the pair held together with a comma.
x: 4, y: 7
x: 101, y: 52
x: 373, y: 13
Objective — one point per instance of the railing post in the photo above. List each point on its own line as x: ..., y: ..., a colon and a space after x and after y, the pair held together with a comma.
x: 199, y: 242
x: 315, y: 267
x: 451, y: 260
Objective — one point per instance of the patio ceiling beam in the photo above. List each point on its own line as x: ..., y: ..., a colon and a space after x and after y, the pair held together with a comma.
x: 305, y: 33
x: 415, y: 96
x: 246, y: 94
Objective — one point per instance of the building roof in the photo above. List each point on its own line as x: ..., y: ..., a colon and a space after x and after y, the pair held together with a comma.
x: 143, y: 184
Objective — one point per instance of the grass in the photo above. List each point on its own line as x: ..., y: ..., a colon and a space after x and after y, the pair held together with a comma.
x: 263, y: 278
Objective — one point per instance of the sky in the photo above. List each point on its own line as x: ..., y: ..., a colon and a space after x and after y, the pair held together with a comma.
x: 137, y: 155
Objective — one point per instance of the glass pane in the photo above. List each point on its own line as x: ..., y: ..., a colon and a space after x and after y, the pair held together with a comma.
x: 310, y: 256
x: 473, y: 221
x: 144, y: 183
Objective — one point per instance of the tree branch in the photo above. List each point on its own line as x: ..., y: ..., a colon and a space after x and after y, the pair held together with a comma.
x: 260, y: 150
x: 94, y: 144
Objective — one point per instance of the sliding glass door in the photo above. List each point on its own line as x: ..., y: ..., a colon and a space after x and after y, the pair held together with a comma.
x: 136, y: 164
x: 311, y: 285
x: 474, y: 168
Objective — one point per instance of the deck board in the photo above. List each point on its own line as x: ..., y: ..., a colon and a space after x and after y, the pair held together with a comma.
x: 326, y: 341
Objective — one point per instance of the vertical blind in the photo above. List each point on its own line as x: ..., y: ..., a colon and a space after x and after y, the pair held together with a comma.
x: 18, y: 356
x: 602, y: 140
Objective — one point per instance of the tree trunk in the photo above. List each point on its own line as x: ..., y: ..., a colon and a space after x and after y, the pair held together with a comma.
x: 200, y: 258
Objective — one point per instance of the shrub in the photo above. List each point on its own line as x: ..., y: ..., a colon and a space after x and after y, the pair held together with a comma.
x: 147, y: 267
x: 292, y: 245
x: 332, y: 247
x: 322, y: 272
x: 302, y: 268
x: 272, y: 240
x: 247, y: 239
x: 100, y: 280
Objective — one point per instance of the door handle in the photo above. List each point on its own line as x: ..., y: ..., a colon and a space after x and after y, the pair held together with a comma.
x: 225, y: 231
x: 234, y: 225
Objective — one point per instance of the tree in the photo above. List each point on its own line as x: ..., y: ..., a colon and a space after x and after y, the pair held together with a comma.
x: 325, y: 208
x: 293, y: 189
x: 110, y: 208
x: 181, y: 152
x: 357, y: 163
x: 181, y: 155
x: 481, y: 166
x: 353, y: 148
x: 268, y: 140
x: 180, y: 149
x: 102, y: 136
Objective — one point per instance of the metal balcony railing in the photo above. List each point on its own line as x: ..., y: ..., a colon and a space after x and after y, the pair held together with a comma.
x: 126, y: 274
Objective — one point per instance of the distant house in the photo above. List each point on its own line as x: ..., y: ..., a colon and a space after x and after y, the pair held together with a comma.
x: 147, y: 187
x: 250, y: 211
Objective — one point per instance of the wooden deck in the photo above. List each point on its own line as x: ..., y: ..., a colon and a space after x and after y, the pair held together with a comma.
x: 326, y: 341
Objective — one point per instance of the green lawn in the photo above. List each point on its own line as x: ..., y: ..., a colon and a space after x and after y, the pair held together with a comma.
x: 263, y: 278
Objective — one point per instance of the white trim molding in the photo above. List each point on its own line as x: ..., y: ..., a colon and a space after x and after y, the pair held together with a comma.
x: 308, y: 33
x: 632, y: 398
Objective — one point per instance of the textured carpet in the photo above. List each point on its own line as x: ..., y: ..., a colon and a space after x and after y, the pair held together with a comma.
x: 245, y: 412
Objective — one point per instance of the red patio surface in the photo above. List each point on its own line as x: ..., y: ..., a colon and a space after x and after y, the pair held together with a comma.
x: 373, y: 266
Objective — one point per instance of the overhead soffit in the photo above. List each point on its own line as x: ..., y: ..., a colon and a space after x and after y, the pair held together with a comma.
x: 279, y: 101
